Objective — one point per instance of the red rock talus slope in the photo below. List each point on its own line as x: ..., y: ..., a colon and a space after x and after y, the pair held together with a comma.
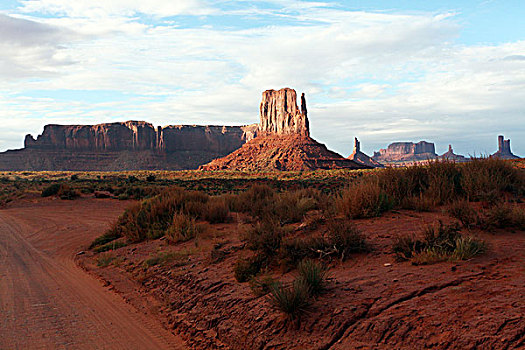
x: 283, y: 141
x: 282, y: 152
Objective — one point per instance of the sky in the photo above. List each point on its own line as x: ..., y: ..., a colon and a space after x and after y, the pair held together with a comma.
x: 444, y: 71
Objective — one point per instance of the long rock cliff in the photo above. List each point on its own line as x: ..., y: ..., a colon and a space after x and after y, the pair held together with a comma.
x: 130, y: 145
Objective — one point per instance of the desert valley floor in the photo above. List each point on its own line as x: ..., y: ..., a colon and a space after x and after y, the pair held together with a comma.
x: 372, y: 302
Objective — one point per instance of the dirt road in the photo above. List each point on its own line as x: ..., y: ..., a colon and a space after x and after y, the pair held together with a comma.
x: 46, y: 301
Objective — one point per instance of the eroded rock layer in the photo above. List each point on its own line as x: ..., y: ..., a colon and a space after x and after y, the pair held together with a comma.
x: 280, y: 115
x: 129, y: 145
x: 404, y: 152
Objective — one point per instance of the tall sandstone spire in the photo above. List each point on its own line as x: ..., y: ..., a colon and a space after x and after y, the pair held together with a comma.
x: 280, y: 114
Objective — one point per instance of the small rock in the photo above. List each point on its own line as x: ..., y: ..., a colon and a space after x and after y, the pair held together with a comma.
x: 81, y: 252
x: 453, y: 268
x: 387, y: 264
x: 395, y: 280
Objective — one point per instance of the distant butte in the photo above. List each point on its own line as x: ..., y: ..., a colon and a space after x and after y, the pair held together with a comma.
x: 359, y: 157
x: 504, y: 151
x: 283, y: 141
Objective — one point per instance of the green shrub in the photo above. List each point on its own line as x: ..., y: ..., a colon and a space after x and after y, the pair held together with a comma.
x: 107, y: 237
x: 345, y: 237
x: 291, y: 301
x: 51, y: 190
x: 105, y: 259
x: 363, y: 199
x: 440, y: 243
x: 109, y: 246
x: 165, y: 258
x: 265, y: 237
x: 245, y: 268
x: 463, y: 211
x: 468, y: 247
x: 314, y: 274
x: 66, y: 192
x: 262, y: 285
x: 504, y: 215
x: 216, y: 211
x: 182, y: 229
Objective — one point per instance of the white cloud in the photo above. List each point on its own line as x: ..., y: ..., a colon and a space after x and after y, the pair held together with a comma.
x: 101, y: 8
x: 381, y: 76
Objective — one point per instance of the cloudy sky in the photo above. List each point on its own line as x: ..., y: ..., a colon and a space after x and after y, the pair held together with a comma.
x: 446, y: 71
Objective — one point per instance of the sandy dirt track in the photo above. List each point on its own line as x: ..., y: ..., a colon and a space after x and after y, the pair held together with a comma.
x: 46, y: 301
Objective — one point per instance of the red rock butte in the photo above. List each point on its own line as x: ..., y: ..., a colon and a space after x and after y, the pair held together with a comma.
x: 283, y: 141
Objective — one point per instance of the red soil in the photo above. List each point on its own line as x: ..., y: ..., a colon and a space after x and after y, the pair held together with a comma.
x: 373, y: 302
x: 282, y: 152
x: 46, y: 300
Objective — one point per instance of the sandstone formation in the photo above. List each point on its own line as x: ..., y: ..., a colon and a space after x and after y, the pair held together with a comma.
x: 283, y: 142
x: 361, y: 158
x: 504, y: 151
x: 450, y: 155
x: 130, y: 145
x: 280, y: 114
x: 406, y: 153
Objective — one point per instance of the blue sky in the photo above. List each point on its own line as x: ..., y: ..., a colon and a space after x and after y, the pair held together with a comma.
x: 384, y: 71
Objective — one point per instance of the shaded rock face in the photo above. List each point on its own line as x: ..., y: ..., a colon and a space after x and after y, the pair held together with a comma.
x: 406, y: 152
x: 139, y: 136
x: 280, y: 114
x: 450, y: 155
x: 504, y: 151
x: 361, y: 158
x: 129, y: 145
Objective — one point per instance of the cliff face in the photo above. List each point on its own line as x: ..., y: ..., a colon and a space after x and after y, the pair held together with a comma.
x: 406, y: 152
x: 504, y: 151
x: 129, y: 145
x: 280, y: 115
x: 140, y: 136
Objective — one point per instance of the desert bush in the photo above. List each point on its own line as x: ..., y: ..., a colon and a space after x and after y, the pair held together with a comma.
x: 265, y: 237
x: 419, y: 203
x: 182, y: 229
x: 109, y: 246
x: 293, y: 250
x: 345, y: 237
x: 255, y: 200
x: 165, y: 258
x: 314, y: 274
x: 362, y: 199
x: 68, y: 193
x: 463, y: 211
x: 245, y: 268
x: 105, y: 259
x: 444, y: 181
x: 485, y: 178
x: 468, y: 247
x: 292, y: 206
x: 51, y: 190
x: 109, y: 236
x: 151, y: 178
x: 262, y: 285
x: 503, y: 215
x: 292, y: 301
x: 217, y: 211
x: 440, y: 242
x: 152, y: 217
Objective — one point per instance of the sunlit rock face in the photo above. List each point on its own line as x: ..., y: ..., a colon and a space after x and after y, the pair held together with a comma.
x: 280, y: 114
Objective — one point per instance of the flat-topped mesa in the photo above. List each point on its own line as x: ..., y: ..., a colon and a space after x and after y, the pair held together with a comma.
x: 280, y: 114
